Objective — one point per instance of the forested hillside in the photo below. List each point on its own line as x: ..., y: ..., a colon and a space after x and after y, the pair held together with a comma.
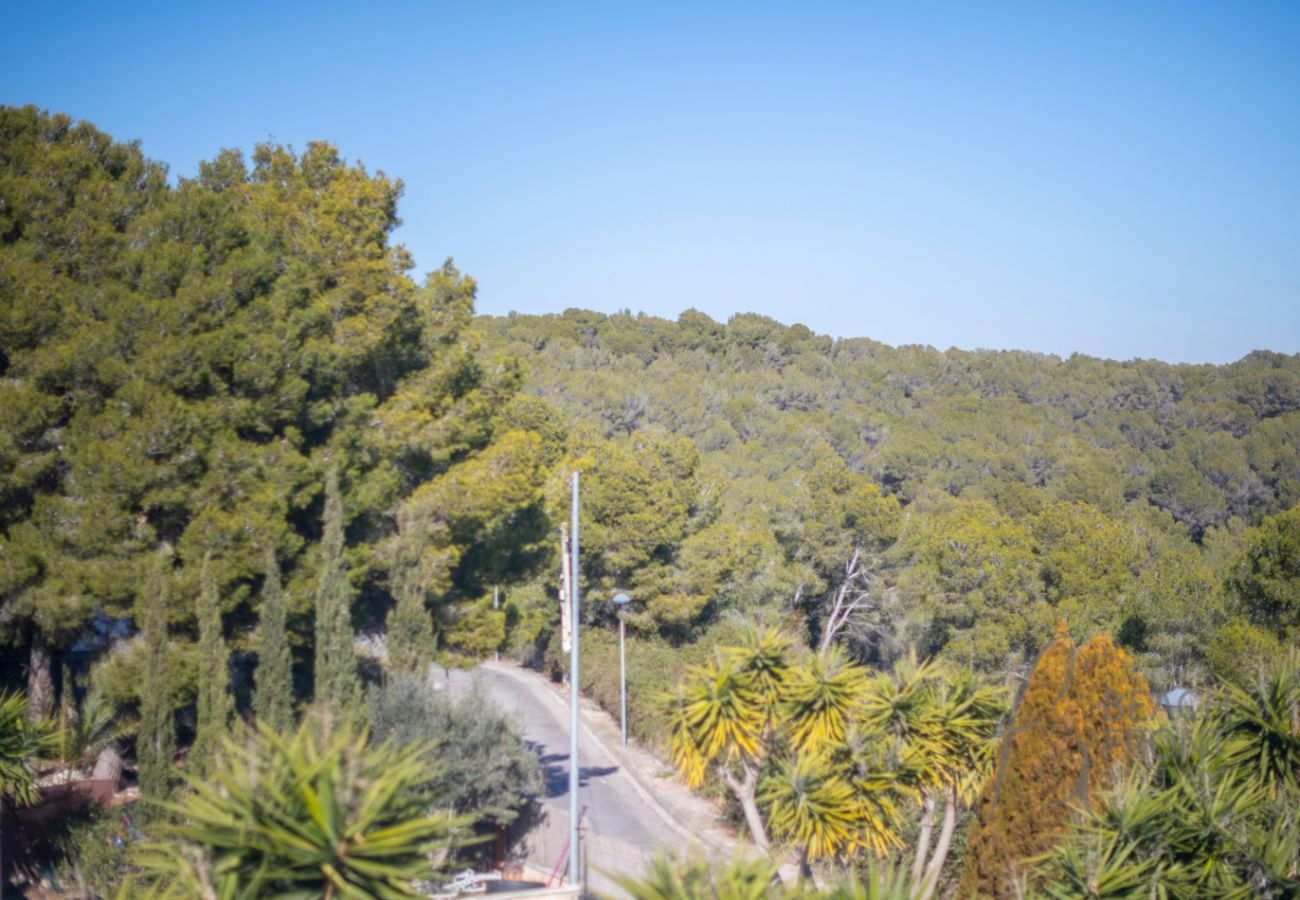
x: 237, y: 435
x: 958, y: 501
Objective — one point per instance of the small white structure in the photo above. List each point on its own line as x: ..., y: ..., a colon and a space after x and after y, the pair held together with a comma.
x: 1178, y: 700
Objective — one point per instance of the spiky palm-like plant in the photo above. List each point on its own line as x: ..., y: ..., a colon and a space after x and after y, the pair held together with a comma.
x: 724, y: 711
x: 939, y: 727
x: 810, y: 806
x: 83, y: 732
x: 763, y: 658
x: 21, y: 741
x: 1262, y: 722
x: 1103, y: 867
x: 1205, y: 821
x: 819, y: 699
x: 718, y: 719
x: 698, y: 879
x: 1122, y: 846
x: 865, y: 760
x: 753, y: 879
x: 323, y: 813
x: 879, y: 879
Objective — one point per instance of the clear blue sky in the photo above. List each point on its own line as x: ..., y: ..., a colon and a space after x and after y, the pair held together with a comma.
x: 1115, y: 179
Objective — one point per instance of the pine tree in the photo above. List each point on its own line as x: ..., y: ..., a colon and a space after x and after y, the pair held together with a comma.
x: 156, y: 745
x: 273, y: 697
x: 336, y: 671
x: 1077, y: 730
x: 215, y: 703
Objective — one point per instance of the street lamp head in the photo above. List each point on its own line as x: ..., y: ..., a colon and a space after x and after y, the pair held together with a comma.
x: 621, y: 599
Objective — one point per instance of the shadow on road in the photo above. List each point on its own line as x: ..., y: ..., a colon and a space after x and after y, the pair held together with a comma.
x: 555, y: 772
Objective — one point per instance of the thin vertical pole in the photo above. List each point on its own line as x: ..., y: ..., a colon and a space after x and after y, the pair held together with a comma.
x: 573, y: 694
x: 622, y: 672
x: 496, y: 602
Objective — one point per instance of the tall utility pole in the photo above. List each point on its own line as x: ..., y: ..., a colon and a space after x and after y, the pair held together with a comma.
x: 573, y: 694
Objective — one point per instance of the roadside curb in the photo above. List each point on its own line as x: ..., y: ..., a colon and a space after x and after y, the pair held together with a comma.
x: 586, y: 715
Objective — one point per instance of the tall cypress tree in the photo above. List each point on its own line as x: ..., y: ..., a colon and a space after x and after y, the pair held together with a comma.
x: 215, y: 703
x: 410, y: 635
x: 156, y: 745
x: 273, y: 698
x: 336, y: 670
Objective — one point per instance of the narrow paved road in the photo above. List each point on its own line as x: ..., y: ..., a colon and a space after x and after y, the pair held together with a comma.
x: 618, y: 808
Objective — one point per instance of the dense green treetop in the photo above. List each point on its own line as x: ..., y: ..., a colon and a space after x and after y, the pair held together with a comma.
x: 182, y: 364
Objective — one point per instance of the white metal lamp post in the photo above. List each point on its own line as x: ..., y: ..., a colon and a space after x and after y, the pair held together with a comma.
x: 621, y: 600
x: 574, y: 771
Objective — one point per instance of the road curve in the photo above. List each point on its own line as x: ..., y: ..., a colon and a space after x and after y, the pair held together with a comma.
x: 625, y: 822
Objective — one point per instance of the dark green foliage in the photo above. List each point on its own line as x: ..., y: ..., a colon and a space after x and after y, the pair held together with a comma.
x: 155, y: 747
x: 68, y: 198
x: 1240, y: 649
x: 1031, y: 487
x: 486, y: 771
x: 336, y: 666
x: 1266, y: 580
x: 181, y: 365
x: 96, y: 846
x: 215, y: 704
x: 273, y: 696
x: 410, y: 635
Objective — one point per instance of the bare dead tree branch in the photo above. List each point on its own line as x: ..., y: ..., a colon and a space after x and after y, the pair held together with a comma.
x: 852, y: 596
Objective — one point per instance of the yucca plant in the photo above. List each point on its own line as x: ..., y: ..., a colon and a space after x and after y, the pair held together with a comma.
x: 819, y: 699
x: 21, y: 741
x: 1263, y: 725
x: 698, y: 879
x: 1100, y: 867
x: 762, y: 657
x: 939, y: 727
x: 725, y: 712
x: 1122, y: 846
x: 864, y: 758
x: 82, y: 733
x: 717, y: 719
x: 811, y: 807
x: 877, y: 879
x: 323, y: 813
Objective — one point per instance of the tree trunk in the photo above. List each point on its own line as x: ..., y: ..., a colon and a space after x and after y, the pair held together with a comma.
x: 935, y: 869
x: 108, y: 766
x: 746, y: 792
x: 40, y: 679
x: 923, y: 840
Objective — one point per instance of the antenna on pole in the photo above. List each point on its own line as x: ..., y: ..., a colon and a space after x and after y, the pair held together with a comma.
x: 573, y: 693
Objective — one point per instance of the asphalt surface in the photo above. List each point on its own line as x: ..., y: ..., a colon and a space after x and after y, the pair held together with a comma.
x: 616, y: 809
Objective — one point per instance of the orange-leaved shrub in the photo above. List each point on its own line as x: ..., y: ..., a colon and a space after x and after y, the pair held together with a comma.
x: 1080, y: 724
